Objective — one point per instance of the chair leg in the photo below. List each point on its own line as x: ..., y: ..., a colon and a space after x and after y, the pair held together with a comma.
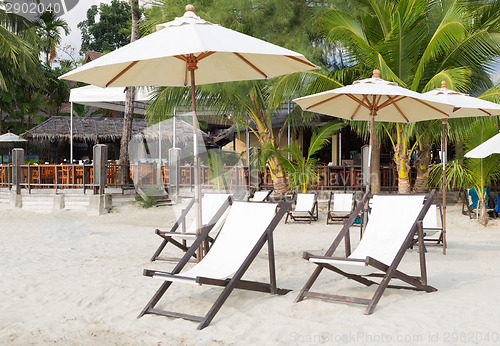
x: 159, y: 250
x: 308, y: 284
x: 156, y: 297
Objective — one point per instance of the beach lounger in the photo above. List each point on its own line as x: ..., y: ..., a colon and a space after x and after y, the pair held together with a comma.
x: 393, y: 222
x: 178, y: 235
x: 260, y: 196
x: 248, y: 227
x: 340, y: 206
x: 306, y: 208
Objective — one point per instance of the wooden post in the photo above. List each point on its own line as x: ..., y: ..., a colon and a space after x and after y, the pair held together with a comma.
x: 100, y: 171
x: 17, y: 170
x: 443, y: 159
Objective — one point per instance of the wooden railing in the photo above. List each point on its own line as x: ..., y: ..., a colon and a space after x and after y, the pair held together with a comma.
x: 81, y: 176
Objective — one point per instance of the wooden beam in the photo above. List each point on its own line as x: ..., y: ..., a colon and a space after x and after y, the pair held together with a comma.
x: 251, y: 65
x: 337, y: 298
x: 121, y: 73
x: 301, y: 61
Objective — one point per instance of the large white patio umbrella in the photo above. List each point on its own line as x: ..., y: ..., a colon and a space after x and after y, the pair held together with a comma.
x: 491, y: 146
x: 107, y: 98
x: 463, y: 106
x: 186, y: 51
x: 374, y: 99
x: 10, y: 138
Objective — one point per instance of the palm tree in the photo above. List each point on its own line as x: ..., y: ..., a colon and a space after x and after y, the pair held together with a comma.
x: 18, y: 49
x: 300, y: 170
x: 123, y: 160
x: 49, y: 27
x: 418, y: 43
x: 251, y: 104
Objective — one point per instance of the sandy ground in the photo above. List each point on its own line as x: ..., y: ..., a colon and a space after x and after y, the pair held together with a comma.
x: 71, y: 279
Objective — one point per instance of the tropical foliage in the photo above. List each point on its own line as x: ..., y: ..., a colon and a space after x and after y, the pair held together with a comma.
x: 106, y: 27
x: 418, y: 44
x: 301, y: 170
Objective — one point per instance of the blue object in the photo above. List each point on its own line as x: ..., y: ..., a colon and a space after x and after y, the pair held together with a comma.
x: 475, y: 198
x: 497, y: 208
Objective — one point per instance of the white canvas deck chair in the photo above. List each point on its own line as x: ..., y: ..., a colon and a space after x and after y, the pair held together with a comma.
x: 306, y: 208
x: 178, y: 235
x: 394, y: 221
x: 340, y: 207
x: 260, y: 196
x: 248, y: 227
x: 432, y: 226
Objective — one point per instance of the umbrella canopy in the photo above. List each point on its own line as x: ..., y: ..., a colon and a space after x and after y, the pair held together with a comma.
x: 164, y: 57
x: 109, y: 98
x: 374, y: 99
x: 11, y: 137
x: 491, y: 146
x: 464, y: 105
x: 182, y: 49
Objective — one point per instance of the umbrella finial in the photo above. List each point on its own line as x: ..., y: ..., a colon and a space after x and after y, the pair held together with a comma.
x: 443, y: 85
x: 376, y: 74
x: 189, y: 8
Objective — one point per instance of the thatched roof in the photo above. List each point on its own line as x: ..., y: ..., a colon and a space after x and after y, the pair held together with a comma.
x: 84, y: 129
x: 106, y: 129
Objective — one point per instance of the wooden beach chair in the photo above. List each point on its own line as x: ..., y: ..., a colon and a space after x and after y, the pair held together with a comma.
x: 433, y: 224
x: 178, y: 235
x: 248, y: 227
x: 340, y: 207
x: 306, y: 208
x: 260, y: 196
x: 393, y: 222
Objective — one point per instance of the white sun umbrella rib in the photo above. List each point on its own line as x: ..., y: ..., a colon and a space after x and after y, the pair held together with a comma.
x: 122, y: 72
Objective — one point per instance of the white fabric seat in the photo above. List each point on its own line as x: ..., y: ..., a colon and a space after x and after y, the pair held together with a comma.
x: 342, y: 203
x: 244, y: 226
x: 390, y: 221
x: 305, y: 202
x: 210, y: 204
x: 430, y: 222
x: 260, y: 196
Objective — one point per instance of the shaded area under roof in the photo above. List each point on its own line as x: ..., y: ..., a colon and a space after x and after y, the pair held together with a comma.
x: 102, y: 129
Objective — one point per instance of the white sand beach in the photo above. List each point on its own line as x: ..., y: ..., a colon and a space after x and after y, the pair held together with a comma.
x: 71, y: 279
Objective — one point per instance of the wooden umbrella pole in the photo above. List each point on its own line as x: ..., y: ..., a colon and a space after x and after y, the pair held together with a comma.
x: 373, y: 113
x: 197, y: 184
x: 443, y: 148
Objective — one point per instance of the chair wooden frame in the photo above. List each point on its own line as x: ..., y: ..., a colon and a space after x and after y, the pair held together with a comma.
x: 334, y: 216
x: 169, y: 237
x: 229, y: 284
x: 418, y: 283
x: 304, y: 216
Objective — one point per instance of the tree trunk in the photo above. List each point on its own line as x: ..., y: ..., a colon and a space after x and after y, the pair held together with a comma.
x: 483, y: 214
x: 422, y: 166
x: 403, y: 166
x: 375, y: 168
x: 280, y: 184
x: 124, y: 176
